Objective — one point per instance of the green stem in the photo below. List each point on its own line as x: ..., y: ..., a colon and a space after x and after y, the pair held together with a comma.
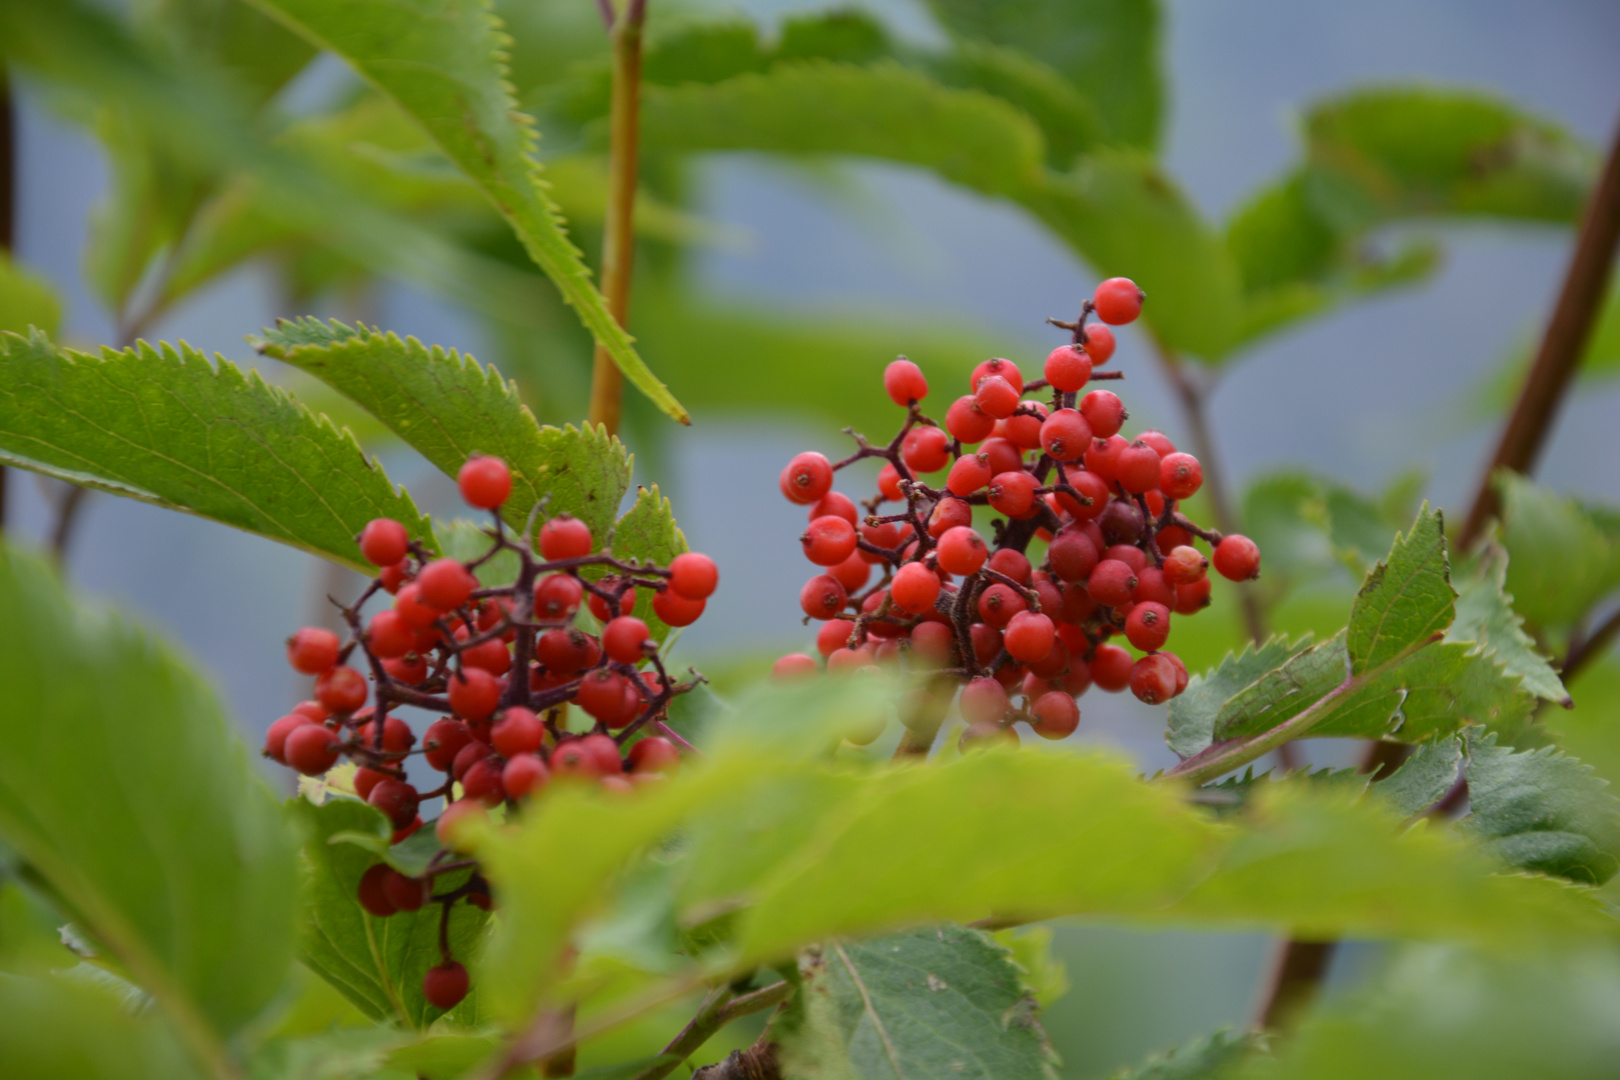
x: 720, y: 1008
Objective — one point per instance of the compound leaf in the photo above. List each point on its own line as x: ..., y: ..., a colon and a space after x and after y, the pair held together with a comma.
x: 1213, y: 1057
x: 1406, y: 598
x: 1561, y: 559
x: 1285, y: 691
x: 1424, y: 778
x: 164, y: 426
x: 1193, y: 713
x: 1436, y: 691
x: 1485, y: 615
x: 647, y: 533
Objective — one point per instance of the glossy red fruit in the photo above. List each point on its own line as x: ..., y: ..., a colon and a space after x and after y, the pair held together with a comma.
x: 1129, y: 554
x: 601, y: 694
x: 925, y: 450
x: 1153, y: 679
x: 807, y: 478
x: 524, y: 775
x: 1066, y: 435
x: 1004, y: 455
x: 1072, y: 555
x: 999, y: 368
x: 341, y: 690
x: 1151, y: 587
x: 1023, y: 428
x: 393, y: 578
x: 914, y: 589
x: 474, y: 693
x: 417, y: 614
x: 1237, y: 558
x: 828, y: 541
x: 557, y: 597
x: 1184, y: 565
x: 445, y: 584
x: 566, y: 650
x: 1121, y: 522
x: 491, y: 656
x: 1159, y: 441
x: 1099, y: 344
x: 564, y: 537
x: 1191, y: 599
x: 1055, y: 663
x: 833, y: 503
x: 655, y: 754
x: 518, y: 731
x: 373, y: 897
x: 1118, y: 301
x: 1111, y: 583
x: 983, y: 700
x: 313, y: 650
x: 1054, y: 715
x: 311, y: 748
x: 485, y: 482
x: 833, y: 635
x: 1011, y: 563
x: 1148, y: 626
x: 889, y: 484
x: 933, y: 644
x: 397, y: 736
x: 1180, y: 475
x: 482, y: 782
x: 396, y: 799
x: 387, y: 636
x: 887, y: 536
x: 949, y: 514
x: 673, y: 610
x: 961, y: 551
x: 996, y: 397
x: 275, y: 740
x: 1013, y: 494
x: 693, y: 576
x: 623, y: 638
x: 442, y: 741
x: 822, y: 597
x: 794, y: 666
x: 904, y: 382
x: 852, y: 573
x: 998, y: 604
x: 1068, y: 368
x: 1029, y: 637
x: 1104, y: 412
x: 384, y: 542
x: 966, y: 422
x: 444, y: 986
x: 1138, y: 469
x: 970, y: 473
x: 1111, y: 668
x: 574, y: 761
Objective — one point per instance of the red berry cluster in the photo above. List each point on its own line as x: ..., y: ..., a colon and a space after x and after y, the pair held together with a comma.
x: 501, y: 665
x: 1120, y: 558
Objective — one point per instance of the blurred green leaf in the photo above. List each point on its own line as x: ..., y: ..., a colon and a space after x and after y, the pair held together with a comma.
x: 1542, y: 810
x: 450, y: 407
x: 1066, y: 117
x: 26, y: 299
x: 469, y: 540
x: 1562, y: 559
x: 1424, y: 778
x: 1214, y: 1057
x: 1600, y: 361
x: 1193, y: 713
x: 1406, y: 598
x: 191, y: 886
x: 377, y: 964
x: 1109, y: 49
x: 939, y: 1001
x: 445, y: 64
x: 257, y: 52
x: 61, y: 1028
x: 1485, y: 614
x: 164, y: 426
x: 1044, y: 975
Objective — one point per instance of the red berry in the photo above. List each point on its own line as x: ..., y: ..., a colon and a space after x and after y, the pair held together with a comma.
x: 313, y: 650
x: 1159, y: 441
x: 1151, y: 587
x: 1093, y: 491
x: 622, y: 639
x: 573, y: 761
x: 311, y: 748
x: 448, y: 825
x: 342, y: 690
x: 1237, y: 558
x: 996, y: 397
x: 1184, y: 565
x: 1121, y: 522
x: 1193, y: 598
x: 852, y: 573
x: 1055, y: 715
x: 384, y: 542
x: 914, y: 589
x: 828, y: 541
x: 983, y: 701
x: 1055, y: 663
x: 372, y: 895
x: 524, y: 775
x: 1104, y: 412
x: 1004, y: 455
x: 445, y: 584
x: 1129, y: 554
x: 1011, y: 563
x: 933, y: 643
x: 1029, y: 637
x: 387, y: 636
x: 833, y: 635
x: 1111, y: 583
x: 442, y: 741
x: 1138, y: 468
x: 275, y: 740
x: 1072, y: 555
x: 794, y: 666
x: 417, y: 615
x: 970, y: 473
x: 807, y: 478
x: 445, y: 985
x: 1068, y: 368
x: 397, y: 736
x: 966, y: 422
x: 1148, y: 625
x: 604, y: 751
x: 887, y: 536
x: 482, y: 782
x: 601, y: 694
x: 673, y: 610
x: 986, y: 641
x: 474, y: 694
x: 470, y: 755
x: 889, y: 484
x: 1099, y: 344
x: 904, y: 382
x: 656, y: 754
x: 485, y: 482
x: 396, y: 799
x: 842, y: 661
x: 693, y: 576
x: 961, y: 551
x: 998, y: 604
x: 949, y: 514
x: 1181, y: 670
x: 394, y: 577
x: 564, y: 537
x: 834, y: 503
x: 1066, y: 436
x: 518, y: 731
x: 1153, y: 679
x: 557, y: 597
x: 822, y: 597
x: 1023, y: 428
x: 566, y: 650
x: 999, y: 368
x: 599, y: 605
x: 1118, y: 301
x: 409, y: 669
x: 1111, y: 668
x: 925, y: 450
x: 1013, y: 494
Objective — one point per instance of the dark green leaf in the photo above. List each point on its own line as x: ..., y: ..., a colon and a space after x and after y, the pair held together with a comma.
x: 1485, y: 615
x: 163, y: 426
x: 1285, y: 691
x: 1561, y: 560
x: 450, y: 407
x: 1406, y: 598
x: 931, y: 1004
x: 124, y: 789
x: 1424, y: 778
x: 1193, y: 712
x: 1542, y: 810
x: 377, y: 964
x: 648, y: 533
x: 1211, y: 1058
x: 1436, y: 691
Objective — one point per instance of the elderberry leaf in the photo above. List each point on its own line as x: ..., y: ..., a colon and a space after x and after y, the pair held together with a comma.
x: 164, y: 426
x: 1406, y: 598
x: 1424, y: 778
x: 1485, y: 615
x: 188, y: 886
x: 1214, y: 1057
x: 1436, y: 691
x: 648, y: 533
x: 1561, y: 558
x: 937, y: 1002
x: 469, y: 540
x: 444, y: 61
x: 59, y: 1027
x: 26, y: 299
x: 377, y: 964
x: 1285, y: 691
x: 450, y: 407
x: 1067, y: 118
x: 1193, y: 712
x: 1541, y: 810
x: 1042, y: 972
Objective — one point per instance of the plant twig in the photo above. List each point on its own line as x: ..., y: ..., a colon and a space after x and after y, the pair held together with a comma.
x: 1585, y: 284
x: 1588, y: 647
x: 1296, y: 976
x: 618, y: 229
x: 720, y: 1008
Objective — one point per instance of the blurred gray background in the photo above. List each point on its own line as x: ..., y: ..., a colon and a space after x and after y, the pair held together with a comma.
x: 1376, y: 389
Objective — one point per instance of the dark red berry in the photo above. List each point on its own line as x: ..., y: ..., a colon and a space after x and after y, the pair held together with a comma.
x: 1011, y: 563
x: 396, y: 799
x: 442, y: 741
x: 1055, y: 715
x: 1111, y: 583
x: 445, y: 985
x: 1148, y: 625
x: 373, y: 897
x: 1072, y: 555
x: 983, y: 701
x: 1153, y: 679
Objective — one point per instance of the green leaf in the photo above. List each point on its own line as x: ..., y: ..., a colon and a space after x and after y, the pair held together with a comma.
x: 1109, y: 49
x: 937, y: 1002
x: 648, y: 533
x: 1434, y: 692
x: 258, y: 53
x: 377, y: 964
x: 1424, y: 778
x: 1485, y: 615
x: 164, y: 426
x: 1193, y: 713
x: 466, y: 540
x: 1561, y: 561
x: 1213, y: 1057
x: 26, y: 299
x: 1285, y: 691
x: 445, y: 63
x: 63, y: 1028
x: 124, y: 788
x: 1043, y: 974
x: 450, y: 407
x: 1067, y: 119
x: 1542, y: 810
x: 1406, y: 598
